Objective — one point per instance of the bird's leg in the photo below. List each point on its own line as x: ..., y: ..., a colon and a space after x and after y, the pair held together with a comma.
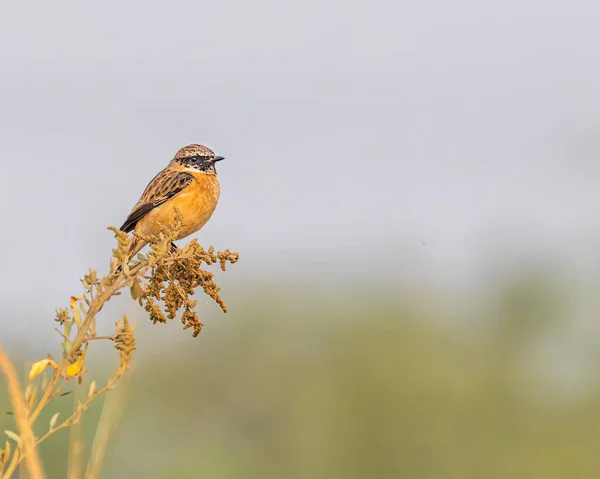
x: 174, y: 248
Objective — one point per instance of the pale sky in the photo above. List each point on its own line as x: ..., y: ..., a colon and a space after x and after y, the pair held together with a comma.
x: 444, y: 131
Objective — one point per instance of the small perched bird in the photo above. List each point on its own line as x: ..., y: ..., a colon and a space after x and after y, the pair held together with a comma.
x: 189, y: 183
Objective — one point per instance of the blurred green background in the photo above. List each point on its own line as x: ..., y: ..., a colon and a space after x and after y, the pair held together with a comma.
x: 356, y: 382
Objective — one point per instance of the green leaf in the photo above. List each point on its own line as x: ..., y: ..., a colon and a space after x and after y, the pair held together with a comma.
x: 67, y: 325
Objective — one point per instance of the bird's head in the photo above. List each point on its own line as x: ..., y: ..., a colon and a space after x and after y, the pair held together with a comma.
x: 197, y: 158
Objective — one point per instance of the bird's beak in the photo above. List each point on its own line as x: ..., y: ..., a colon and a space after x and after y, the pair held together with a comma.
x: 218, y: 158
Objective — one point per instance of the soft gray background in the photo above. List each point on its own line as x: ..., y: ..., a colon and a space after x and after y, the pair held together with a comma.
x: 409, y: 142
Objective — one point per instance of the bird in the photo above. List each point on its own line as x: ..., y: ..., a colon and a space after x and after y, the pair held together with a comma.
x: 189, y: 184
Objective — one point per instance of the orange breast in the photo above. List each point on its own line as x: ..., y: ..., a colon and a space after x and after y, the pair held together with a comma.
x: 196, y: 203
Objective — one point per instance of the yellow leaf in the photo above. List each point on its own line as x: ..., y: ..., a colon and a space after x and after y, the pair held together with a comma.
x: 77, y: 366
x: 38, y: 367
x: 76, y: 314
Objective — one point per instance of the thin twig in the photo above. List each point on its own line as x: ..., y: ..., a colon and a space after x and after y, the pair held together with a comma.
x: 91, y: 338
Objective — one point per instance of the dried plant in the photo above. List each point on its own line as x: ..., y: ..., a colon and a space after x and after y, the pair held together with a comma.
x: 166, y: 276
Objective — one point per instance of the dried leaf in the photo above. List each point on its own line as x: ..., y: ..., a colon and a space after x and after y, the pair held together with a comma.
x: 67, y: 325
x: 14, y: 436
x: 27, y: 392
x: 136, y: 289
x: 75, y: 309
x: 7, y: 450
x: 92, y: 389
x: 53, y: 420
x: 30, y: 398
x: 65, y: 393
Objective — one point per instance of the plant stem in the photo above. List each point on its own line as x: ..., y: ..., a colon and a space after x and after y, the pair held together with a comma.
x: 34, y: 466
x: 99, y: 302
x: 91, y: 338
x: 48, y: 392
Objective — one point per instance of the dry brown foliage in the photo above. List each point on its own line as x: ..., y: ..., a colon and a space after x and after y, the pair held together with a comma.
x: 163, y: 281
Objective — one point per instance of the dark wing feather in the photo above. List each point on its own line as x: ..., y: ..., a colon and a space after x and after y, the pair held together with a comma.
x: 164, y: 186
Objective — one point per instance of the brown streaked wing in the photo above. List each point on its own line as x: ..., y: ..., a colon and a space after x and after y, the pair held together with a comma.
x: 164, y: 186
